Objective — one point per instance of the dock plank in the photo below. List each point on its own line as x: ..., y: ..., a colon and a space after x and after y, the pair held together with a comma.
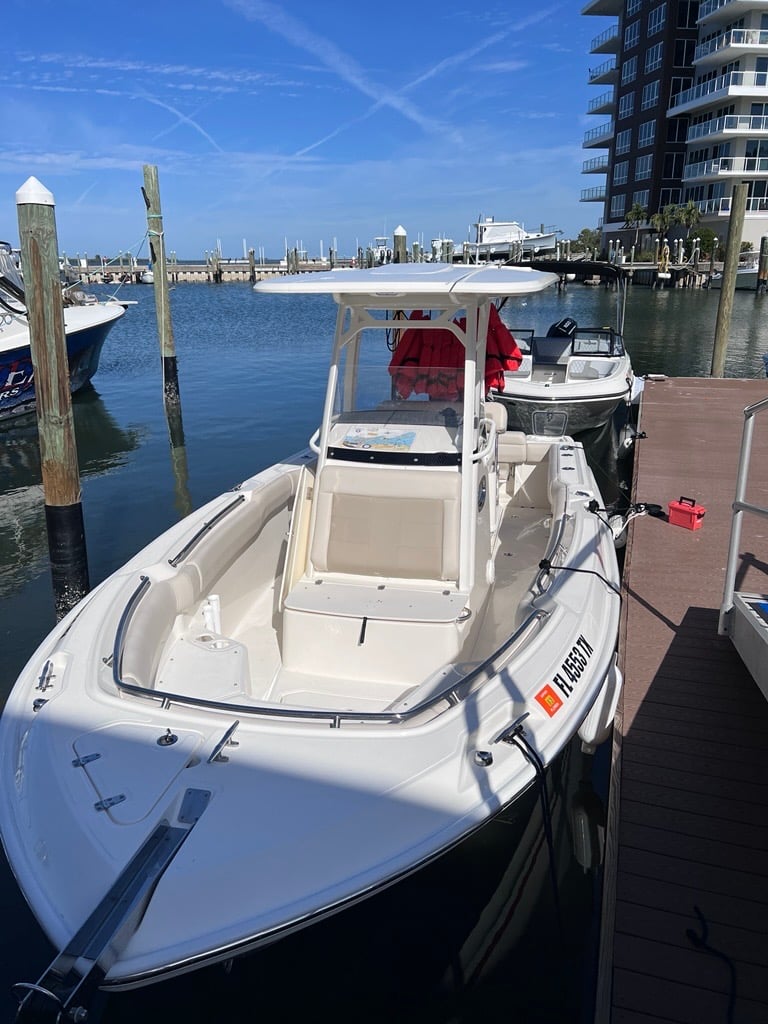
x: 688, y: 811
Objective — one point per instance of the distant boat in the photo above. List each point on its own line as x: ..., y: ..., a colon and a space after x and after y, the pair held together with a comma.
x: 746, y: 277
x: 87, y: 322
x: 572, y: 378
x: 382, y: 250
x: 505, y: 239
x: 147, y: 276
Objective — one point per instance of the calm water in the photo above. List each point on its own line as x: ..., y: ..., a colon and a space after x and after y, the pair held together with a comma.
x: 486, y: 927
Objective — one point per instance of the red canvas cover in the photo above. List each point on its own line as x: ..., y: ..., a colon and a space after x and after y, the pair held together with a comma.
x: 432, y: 361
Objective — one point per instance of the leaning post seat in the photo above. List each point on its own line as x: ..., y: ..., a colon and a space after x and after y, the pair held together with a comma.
x: 381, y: 575
x: 387, y: 522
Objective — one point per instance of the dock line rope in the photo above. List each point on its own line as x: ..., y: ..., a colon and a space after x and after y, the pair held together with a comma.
x: 546, y: 565
x: 700, y: 942
x: 632, y: 511
x: 518, y: 739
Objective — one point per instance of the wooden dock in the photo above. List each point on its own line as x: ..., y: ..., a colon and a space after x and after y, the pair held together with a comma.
x: 685, y: 909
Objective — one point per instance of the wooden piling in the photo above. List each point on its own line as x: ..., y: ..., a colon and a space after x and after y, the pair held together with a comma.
x: 53, y: 401
x: 151, y: 191
x: 728, y: 283
x: 762, y: 266
x: 400, y: 244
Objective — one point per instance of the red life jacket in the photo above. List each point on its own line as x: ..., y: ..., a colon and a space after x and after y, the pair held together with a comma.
x: 432, y: 361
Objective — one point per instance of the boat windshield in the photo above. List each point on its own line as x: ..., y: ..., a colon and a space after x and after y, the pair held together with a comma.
x: 11, y: 283
x: 388, y: 400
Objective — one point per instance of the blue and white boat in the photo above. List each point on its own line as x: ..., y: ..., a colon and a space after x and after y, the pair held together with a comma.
x: 87, y: 322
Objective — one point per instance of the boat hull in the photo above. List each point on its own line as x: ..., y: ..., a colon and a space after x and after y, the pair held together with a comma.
x: 558, y: 416
x: 746, y: 280
x: 86, y: 330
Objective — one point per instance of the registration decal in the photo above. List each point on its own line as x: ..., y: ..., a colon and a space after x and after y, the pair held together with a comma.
x: 549, y: 700
x: 573, y: 666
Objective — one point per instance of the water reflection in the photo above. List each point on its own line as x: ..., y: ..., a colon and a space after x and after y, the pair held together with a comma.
x: 102, y: 445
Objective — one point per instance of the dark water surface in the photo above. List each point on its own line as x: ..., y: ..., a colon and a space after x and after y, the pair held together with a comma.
x: 498, y: 926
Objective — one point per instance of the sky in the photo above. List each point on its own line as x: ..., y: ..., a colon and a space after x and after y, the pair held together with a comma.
x: 313, y: 124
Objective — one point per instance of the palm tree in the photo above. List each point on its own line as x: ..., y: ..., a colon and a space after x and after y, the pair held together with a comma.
x: 662, y: 220
x: 689, y: 216
x: 636, y: 216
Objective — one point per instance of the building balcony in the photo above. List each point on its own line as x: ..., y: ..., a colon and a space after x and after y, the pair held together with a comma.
x: 727, y: 167
x: 600, y: 136
x: 731, y: 46
x: 606, y: 74
x: 713, y: 11
x: 593, y: 195
x: 752, y: 84
x: 606, y: 8
x: 597, y: 165
x: 605, y: 104
x: 606, y: 42
x: 722, y: 207
x: 730, y: 126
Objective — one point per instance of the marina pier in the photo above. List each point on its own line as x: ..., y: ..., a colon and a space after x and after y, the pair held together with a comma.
x: 221, y: 270
x: 686, y: 880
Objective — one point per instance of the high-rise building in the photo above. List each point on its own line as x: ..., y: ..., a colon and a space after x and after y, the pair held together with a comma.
x: 687, y: 108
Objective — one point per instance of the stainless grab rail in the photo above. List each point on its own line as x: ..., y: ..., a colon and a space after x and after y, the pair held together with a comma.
x: 740, y: 506
x: 454, y: 693
x: 204, y: 529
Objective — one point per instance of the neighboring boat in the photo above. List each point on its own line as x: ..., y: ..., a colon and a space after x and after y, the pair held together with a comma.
x: 147, y: 276
x: 746, y: 276
x: 572, y: 378
x: 87, y: 322
x: 507, y: 239
x: 381, y: 247
x: 322, y: 680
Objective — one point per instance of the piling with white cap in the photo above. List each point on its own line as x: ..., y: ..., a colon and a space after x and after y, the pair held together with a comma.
x: 400, y: 244
x: 53, y: 403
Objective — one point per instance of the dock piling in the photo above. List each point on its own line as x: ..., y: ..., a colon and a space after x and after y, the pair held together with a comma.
x: 401, y: 245
x: 728, y: 284
x: 53, y: 401
x: 151, y: 191
x: 762, y: 267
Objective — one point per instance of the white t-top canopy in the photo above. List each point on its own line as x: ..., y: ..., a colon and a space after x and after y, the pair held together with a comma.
x: 453, y: 283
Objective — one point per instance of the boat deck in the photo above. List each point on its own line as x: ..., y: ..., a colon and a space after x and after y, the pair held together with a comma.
x: 685, y: 915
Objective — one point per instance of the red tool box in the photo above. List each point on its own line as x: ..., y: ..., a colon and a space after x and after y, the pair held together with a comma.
x: 687, y: 513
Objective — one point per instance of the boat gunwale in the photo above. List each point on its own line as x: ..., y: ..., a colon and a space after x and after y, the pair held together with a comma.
x: 451, y: 693
x: 457, y: 692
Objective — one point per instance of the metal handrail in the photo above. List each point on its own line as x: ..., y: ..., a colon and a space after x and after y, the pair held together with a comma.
x: 454, y: 693
x: 205, y: 529
x: 740, y: 506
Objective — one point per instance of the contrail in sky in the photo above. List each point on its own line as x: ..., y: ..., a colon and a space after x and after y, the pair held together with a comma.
x: 182, y: 119
x: 285, y: 25
x: 298, y: 35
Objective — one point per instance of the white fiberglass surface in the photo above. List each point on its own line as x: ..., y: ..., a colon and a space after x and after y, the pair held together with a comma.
x: 416, y: 279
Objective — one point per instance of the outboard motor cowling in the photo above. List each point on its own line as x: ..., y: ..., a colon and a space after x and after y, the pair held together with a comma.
x: 565, y: 328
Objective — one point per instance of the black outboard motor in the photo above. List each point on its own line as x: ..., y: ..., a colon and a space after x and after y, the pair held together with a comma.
x: 565, y: 328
